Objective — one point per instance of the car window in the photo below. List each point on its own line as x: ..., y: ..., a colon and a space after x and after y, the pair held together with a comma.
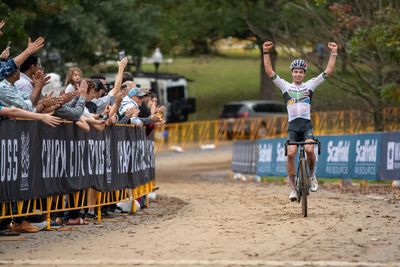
x: 269, y: 107
x: 231, y: 109
x: 176, y: 93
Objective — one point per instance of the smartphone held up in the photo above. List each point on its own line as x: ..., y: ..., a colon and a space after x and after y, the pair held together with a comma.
x: 121, y: 55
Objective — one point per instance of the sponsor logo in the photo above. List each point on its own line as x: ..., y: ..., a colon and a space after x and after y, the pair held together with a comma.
x: 108, y: 159
x: 265, y: 153
x: 366, y: 157
x: 8, y: 160
x: 338, y: 157
x: 25, y: 155
x: 134, y: 156
x: 368, y: 151
x: 280, y: 153
x: 339, y: 152
x: 393, y: 156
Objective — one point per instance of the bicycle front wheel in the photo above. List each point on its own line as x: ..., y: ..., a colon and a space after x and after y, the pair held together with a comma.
x: 304, y: 186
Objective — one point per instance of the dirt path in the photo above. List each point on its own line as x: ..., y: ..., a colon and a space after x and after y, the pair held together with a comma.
x: 202, y: 217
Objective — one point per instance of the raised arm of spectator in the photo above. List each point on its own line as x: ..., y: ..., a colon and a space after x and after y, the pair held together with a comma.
x: 32, y: 48
x: 23, y: 114
x: 5, y: 54
x: 2, y: 23
x: 267, y: 46
x: 118, y: 79
x: 39, y: 81
x: 332, y: 58
x: 112, y: 113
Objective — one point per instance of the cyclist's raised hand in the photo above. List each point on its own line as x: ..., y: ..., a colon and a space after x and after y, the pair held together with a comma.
x: 267, y: 46
x: 332, y: 46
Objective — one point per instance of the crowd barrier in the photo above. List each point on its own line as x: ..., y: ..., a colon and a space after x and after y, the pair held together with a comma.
x: 198, y: 133
x: 40, y: 164
x: 373, y: 156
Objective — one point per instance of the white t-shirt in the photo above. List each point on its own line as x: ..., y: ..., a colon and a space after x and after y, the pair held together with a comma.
x: 298, y: 97
x: 70, y: 88
x: 24, y: 84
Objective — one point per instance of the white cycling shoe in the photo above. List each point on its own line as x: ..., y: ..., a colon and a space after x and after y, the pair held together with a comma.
x: 293, y: 195
x: 313, y: 184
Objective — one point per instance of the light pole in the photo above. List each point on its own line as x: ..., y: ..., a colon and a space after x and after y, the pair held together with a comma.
x: 157, y: 59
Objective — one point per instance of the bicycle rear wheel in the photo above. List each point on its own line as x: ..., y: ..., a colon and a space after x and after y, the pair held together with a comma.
x: 304, y: 186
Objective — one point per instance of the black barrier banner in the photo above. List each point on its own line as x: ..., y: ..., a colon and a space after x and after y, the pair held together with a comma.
x: 37, y: 160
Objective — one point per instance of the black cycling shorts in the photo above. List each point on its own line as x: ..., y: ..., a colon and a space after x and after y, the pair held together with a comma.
x: 300, y: 130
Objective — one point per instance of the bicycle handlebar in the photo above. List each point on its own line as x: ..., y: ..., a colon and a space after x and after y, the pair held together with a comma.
x: 315, y: 142
x: 302, y: 143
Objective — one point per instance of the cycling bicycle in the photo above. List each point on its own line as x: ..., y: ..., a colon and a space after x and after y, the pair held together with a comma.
x: 302, y: 177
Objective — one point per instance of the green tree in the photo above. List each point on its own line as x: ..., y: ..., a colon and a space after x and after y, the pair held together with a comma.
x: 368, y: 36
x: 72, y: 29
x: 134, y: 25
x: 194, y: 26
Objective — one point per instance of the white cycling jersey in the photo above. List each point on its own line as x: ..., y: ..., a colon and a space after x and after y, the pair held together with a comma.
x: 298, y: 97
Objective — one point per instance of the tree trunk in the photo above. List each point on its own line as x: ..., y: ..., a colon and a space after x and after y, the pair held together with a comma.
x: 379, y: 124
x: 267, y: 87
x: 138, y: 64
x: 344, y: 60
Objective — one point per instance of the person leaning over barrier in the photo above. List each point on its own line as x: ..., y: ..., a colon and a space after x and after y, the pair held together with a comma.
x: 73, y: 103
x: 13, y: 113
x: 297, y: 96
x: 125, y: 115
x: 108, y: 100
x: 88, y: 119
x: 134, y: 99
x: 11, y: 96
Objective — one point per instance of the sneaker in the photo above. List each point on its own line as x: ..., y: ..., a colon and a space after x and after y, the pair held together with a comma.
x: 8, y: 232
x: 313, y: 184
x: 40, y: 225
x: 90, y: 215
x: 293, y: 195
x: 55, y: 225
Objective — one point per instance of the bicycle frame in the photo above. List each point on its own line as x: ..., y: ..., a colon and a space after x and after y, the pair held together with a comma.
x: 302, y: 175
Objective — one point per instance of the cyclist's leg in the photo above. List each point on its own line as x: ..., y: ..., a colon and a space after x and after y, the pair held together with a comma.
x: 291, y: 154
x: 311, y: 158
x: 308, y: 136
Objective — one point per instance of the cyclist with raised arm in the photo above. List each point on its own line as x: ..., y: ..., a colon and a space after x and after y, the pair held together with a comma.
x: 297, y: 96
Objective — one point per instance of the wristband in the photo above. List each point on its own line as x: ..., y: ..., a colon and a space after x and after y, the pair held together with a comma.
x: 265, y: 53
x: 334, y: 54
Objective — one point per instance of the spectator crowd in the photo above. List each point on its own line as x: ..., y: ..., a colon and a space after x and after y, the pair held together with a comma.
x: 27, y: 92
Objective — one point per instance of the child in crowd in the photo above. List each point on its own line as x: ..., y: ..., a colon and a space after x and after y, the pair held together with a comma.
x: 74, y: 75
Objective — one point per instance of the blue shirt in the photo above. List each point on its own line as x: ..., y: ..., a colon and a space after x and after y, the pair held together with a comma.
x: 11, y: 96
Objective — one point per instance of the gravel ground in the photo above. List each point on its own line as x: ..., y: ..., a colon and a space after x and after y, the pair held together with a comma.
x: 201, y: 216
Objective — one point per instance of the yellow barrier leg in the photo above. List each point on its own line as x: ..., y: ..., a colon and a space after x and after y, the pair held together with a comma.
x: 48, y: 208
x: 99, y: 207
x: 133, y: 201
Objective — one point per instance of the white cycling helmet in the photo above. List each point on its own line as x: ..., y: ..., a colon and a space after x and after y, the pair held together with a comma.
x: 299, y: 64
